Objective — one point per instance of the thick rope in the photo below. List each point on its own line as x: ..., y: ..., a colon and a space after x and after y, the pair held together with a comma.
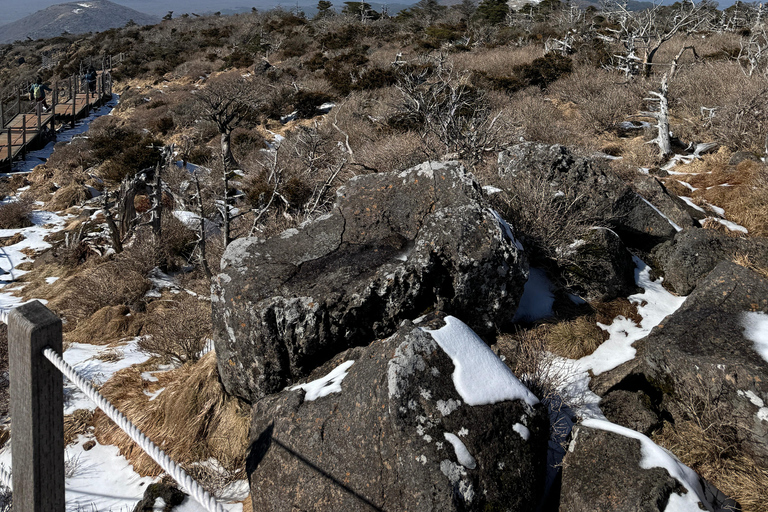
x: 5, y: 478
x: 182, y: 478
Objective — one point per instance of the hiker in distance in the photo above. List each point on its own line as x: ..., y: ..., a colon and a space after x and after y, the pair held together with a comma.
x: 37, y: 93
x: 90, y: 77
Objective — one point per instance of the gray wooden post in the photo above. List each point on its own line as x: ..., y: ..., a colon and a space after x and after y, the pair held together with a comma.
x: 74, y: 104
x: 39, y: 112
x: 23, y: 136
x: 10, y: 146
x: 37, y: 409
x: 2, y: 113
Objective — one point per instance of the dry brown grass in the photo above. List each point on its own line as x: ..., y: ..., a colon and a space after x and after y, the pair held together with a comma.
x: 749, y: 206
x: 193, y: 419
x: 108, y: 324
x: 76, y: 424
x: 606, y: 312
x: 69, y: 195
x: 497, y: 61
x: 706, y: 440
x: 575, y: 338
x: 15, y: 214
x: 745, y: 260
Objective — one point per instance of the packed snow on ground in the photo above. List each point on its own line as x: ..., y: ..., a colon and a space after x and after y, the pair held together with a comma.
x: 331, y: 383
x: 43, y: 224
x: 655, y: 456
x: 538, y: 298
x: 85, y: 359
x: 479, y: 376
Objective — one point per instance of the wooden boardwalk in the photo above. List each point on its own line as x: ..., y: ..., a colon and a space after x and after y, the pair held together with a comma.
x: 32, y: 130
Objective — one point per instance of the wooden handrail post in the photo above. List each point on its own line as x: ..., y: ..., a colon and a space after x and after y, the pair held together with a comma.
x: 37, y: 409
x: 2, y: 113
x: 10, y: 146
x: 23, y: 136
x: 74, y: 105
x: 39, y: 112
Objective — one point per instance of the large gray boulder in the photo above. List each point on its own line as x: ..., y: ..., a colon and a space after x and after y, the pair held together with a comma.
x: 674, y: 208
x: 706, y: 353
x: 395, y: 245
x: 381, y: 440
x: 603, y: 195
x: 609, y: 468
x: 693, y: 253
x: 598, y: 267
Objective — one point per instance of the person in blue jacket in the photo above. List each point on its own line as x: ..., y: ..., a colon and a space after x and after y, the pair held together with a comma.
x: 37, y: 93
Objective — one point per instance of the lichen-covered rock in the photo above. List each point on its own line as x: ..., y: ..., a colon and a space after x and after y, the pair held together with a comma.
x: 394, y: 246
x: 598, y: 267
x: 396, y: 435
x: 607, y: 470
x: 604, y: 195
x: 693, y: 253
x: 674, y: 208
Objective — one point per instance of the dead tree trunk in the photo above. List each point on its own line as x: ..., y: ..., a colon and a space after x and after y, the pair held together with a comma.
x: 663, y: 139
x: 201, y: 231
x: 114, y: 231
x: 126, y: 213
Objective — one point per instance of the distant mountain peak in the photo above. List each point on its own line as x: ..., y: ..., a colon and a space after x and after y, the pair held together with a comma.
x: 73, y: 18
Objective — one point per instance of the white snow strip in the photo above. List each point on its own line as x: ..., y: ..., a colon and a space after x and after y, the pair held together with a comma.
x: 690, y: 203
x: 654, y: 456
x: 687, y: 185
x: 488, y: 189
x: 331, y: 383
x: 677, y: 228
x: 654, y: 304
x: 51, y: 280
x: 688, y: 502
x: 462, y: 454
x: 716, y: 209
x: 755, y: 326
x: 522, y: 430
x: 728, y: 224
x: 479, y: 376
x: 538, y: 298
x: 507, y: 229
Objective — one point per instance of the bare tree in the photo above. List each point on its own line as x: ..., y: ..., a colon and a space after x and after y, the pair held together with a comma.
x: 643, y: 33
x: 661, y: 115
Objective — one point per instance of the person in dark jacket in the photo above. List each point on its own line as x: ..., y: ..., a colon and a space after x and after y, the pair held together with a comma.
x: 90, y: 77
x: 37, y: 93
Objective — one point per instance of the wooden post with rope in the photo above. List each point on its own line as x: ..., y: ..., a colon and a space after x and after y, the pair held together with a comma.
x: 37, y: 404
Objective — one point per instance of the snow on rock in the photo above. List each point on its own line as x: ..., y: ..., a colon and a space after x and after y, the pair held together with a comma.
x: 43, y: 224
x: 507, y: 230
x: 480, y: 377
x: 538, y: 298
x: 756, y: 330
x: 677, y: 228
x: 690, y: 203
x: 653, y: 305
x: 654, y: 456
x: 762, y: 412
x: 462, y: 454
x: 522, y: 430
x: 331, y: 383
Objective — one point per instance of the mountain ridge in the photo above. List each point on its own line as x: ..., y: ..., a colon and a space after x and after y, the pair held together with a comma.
x: 73, y: 18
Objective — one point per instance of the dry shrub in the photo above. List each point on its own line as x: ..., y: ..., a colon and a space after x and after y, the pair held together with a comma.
x: 177, y: 329
x: 575, y: 338
x: 14, y: 214
x: 604, y: 99
x: 538, y: 119
x: 707, y: 441
x: 193, y: 418
x: 72, y: 155
x: 76, y: 424
x: 108, y: 324
x: 496, y: 61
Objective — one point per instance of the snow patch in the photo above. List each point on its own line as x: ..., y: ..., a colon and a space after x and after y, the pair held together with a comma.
x: 522, y: 430
x: 755, y: 326
x: 677, y: 228
x: 762, y: 413
x: 462, y: 454
x: 654, y: 456
x: 690, y: 203
x: 505, y: 227
x: 728, y: 224
x: 323, y: 386
x: 480, y: 377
